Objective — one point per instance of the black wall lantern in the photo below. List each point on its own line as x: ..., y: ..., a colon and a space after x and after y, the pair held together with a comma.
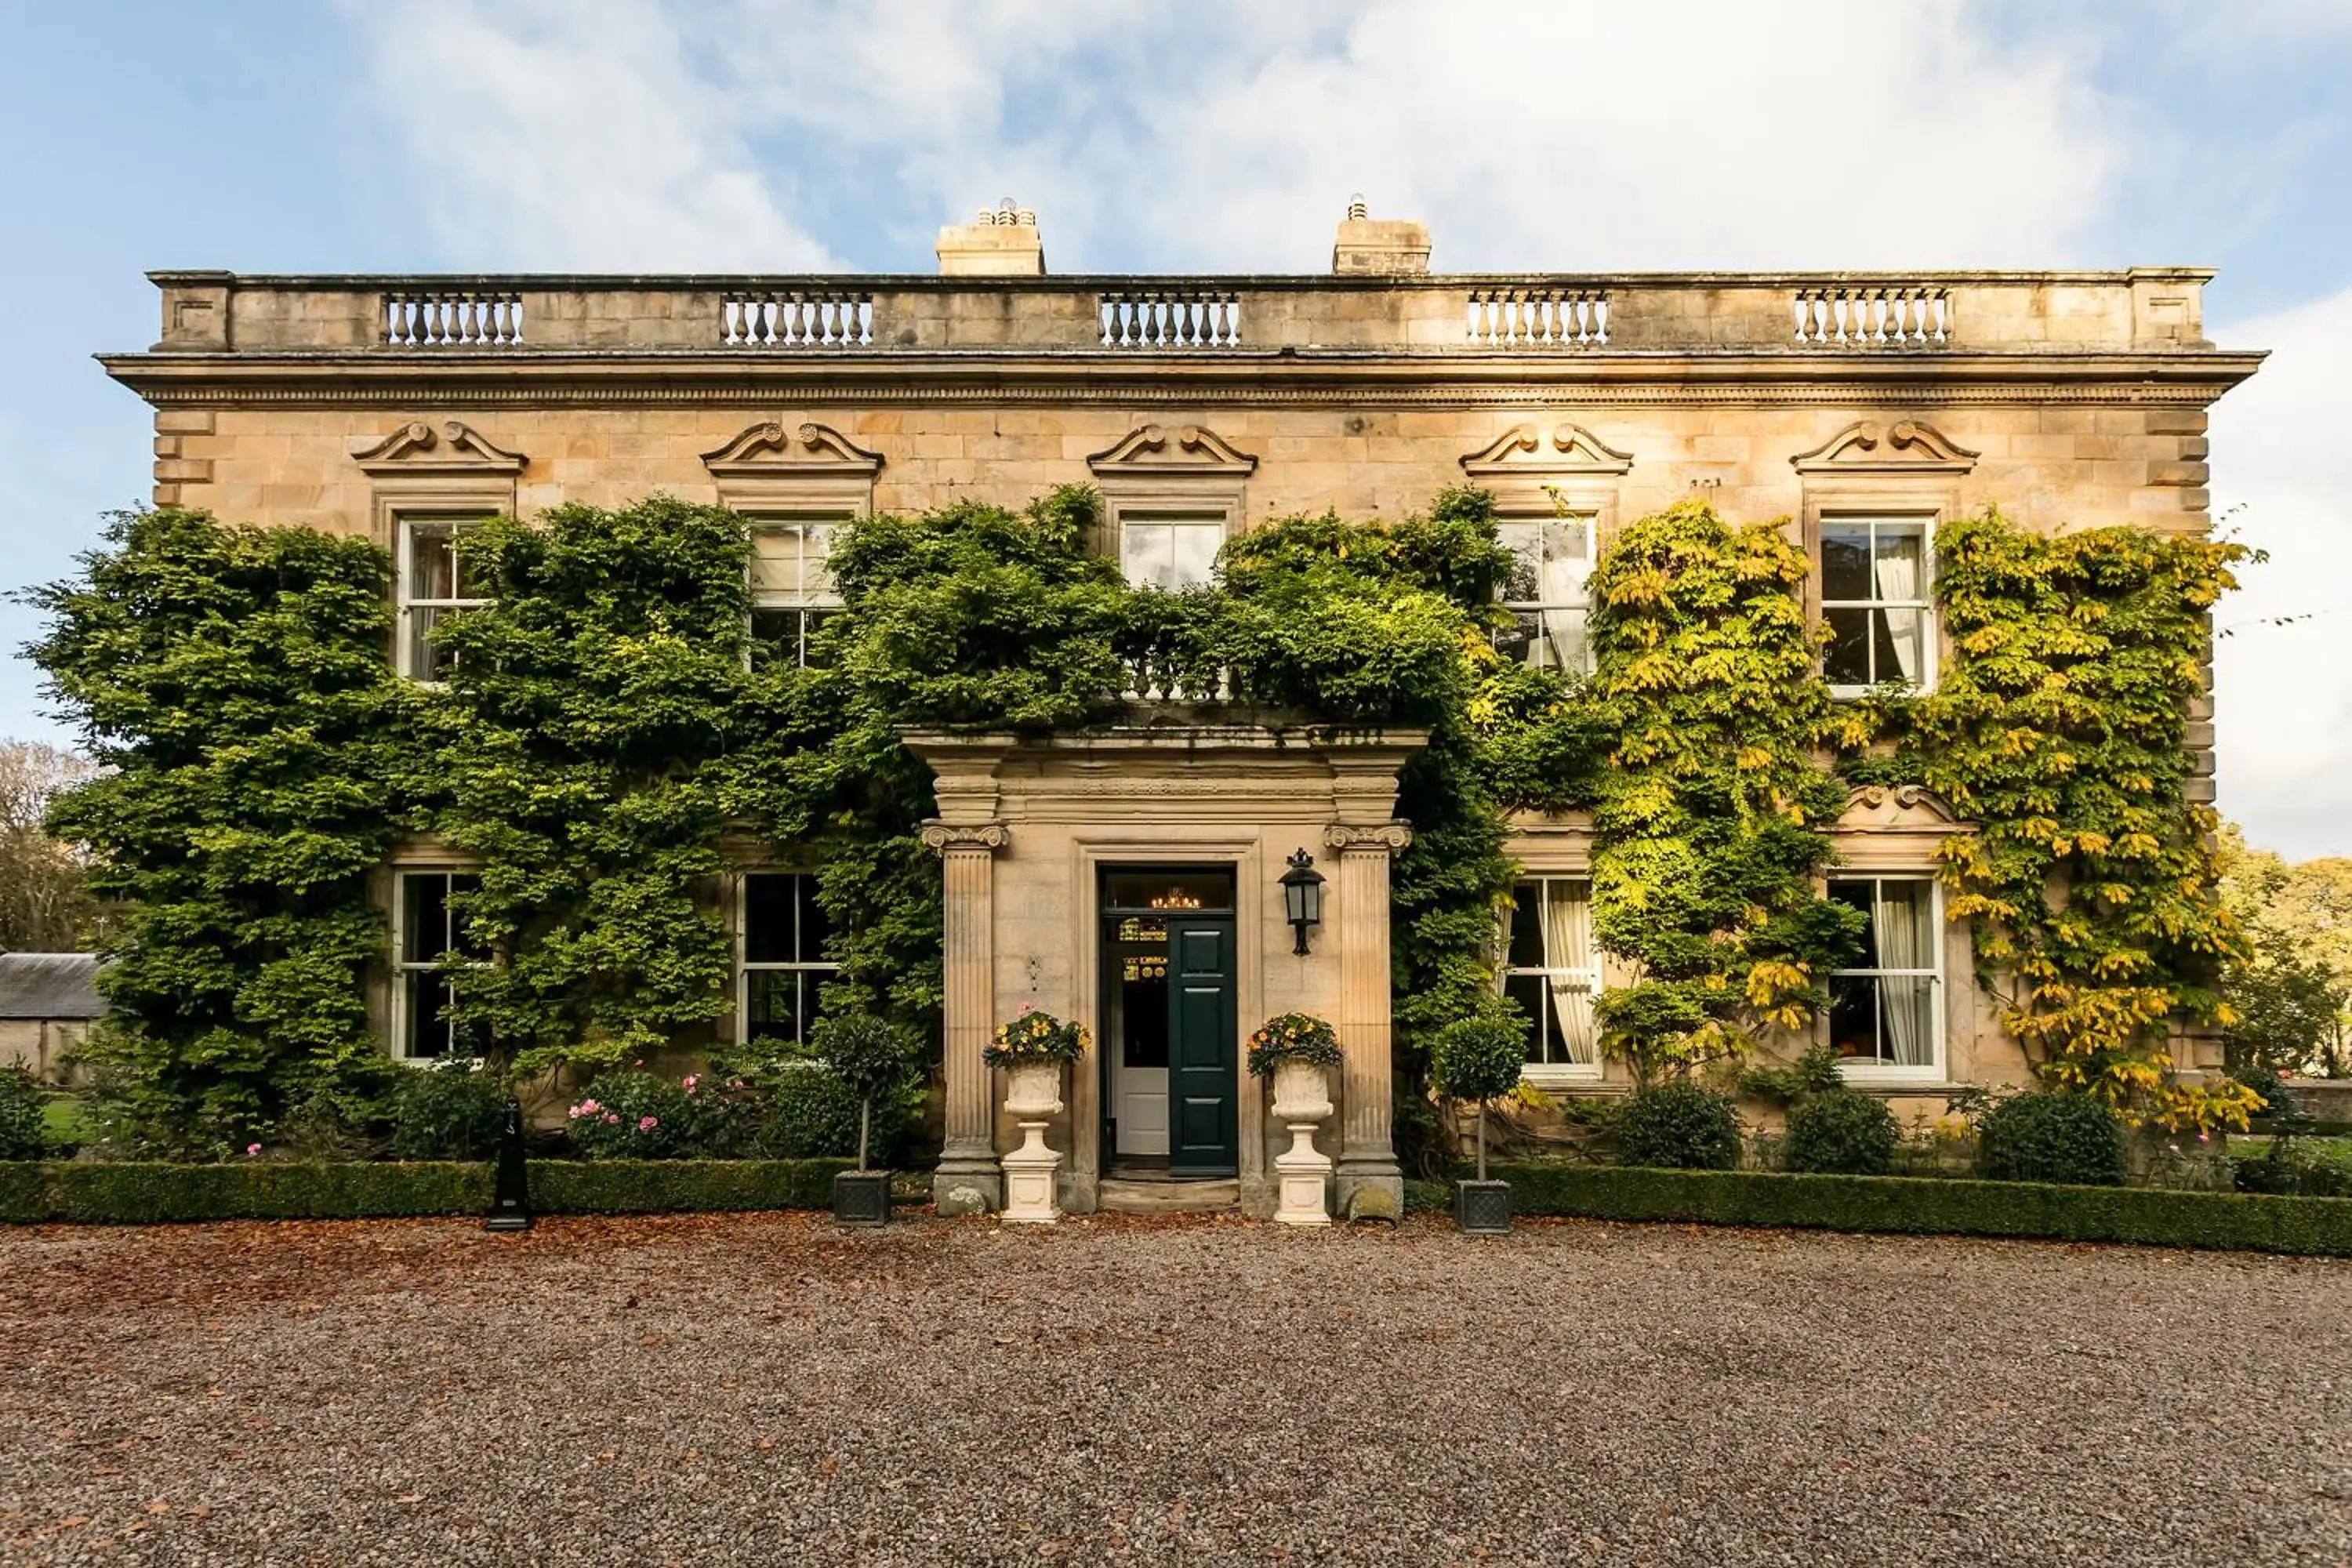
x: 1302, y: 895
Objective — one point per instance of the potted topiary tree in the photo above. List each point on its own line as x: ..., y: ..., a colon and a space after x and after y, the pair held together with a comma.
x: 871, y: 1056
x: 1480, y: 1059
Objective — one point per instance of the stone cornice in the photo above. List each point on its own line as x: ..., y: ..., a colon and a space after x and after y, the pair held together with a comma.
x: 1276, y: 378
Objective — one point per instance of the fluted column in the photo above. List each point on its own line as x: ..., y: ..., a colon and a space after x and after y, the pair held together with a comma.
x: 969, y: 1179
x: 1359, y: 922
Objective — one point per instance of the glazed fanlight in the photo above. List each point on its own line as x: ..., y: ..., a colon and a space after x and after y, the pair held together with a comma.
x: 1302, y: 895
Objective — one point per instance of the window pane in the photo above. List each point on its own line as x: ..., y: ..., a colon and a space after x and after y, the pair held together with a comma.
x: 1900, y: 652
x: 1845, y: 562
x: 1528, y: 991
x: 809, y: 918
x: 1856, y: 895
x: 426, y: 660
x: 426, y: 1030
x: 779, y: 1004
x: 1854, y: 1016
x: 1906, y: 922
x: 1896, y: 570
x: 433, y: 569
x: 1527, y: 947
x: 1171, y: 889
x: 1524, y: 542
x: 1147, y: 555
x: 1195, y: 553
x: 775, y: 638
x: 776, y: 561
x: 424, y: 917
x: 1559, y: 641
x: 1847, y: 661
x: 1568, y: 930
x: 768, y: 918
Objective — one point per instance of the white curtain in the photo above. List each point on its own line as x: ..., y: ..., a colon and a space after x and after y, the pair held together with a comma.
x: 1905, y: 942
x: 1898, y: 580
x: 1568, y: 953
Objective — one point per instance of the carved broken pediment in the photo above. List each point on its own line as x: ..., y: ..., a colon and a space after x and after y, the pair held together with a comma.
x: 449, y: 447
x: 1526, y: 452
x: 1163, y: 449
x: 1907, y: 446
x: 773, y: 448
x: 1900, y: 807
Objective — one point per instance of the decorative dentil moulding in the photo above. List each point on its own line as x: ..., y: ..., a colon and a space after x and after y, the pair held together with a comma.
x: 771, y: 448
x: 1907, y: 446
x: 1158, y: 449
x: 1570, y: 450
x: 419, y: 448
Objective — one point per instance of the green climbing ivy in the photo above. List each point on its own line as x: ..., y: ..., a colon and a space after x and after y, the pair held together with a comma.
x: 2058, y: 728
x: 1708, y: 836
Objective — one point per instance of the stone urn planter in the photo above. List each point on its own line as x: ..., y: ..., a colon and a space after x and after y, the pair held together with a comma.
x: 1298, y: 1051
x: 1302, y: 1098
x: 1033, y: 1097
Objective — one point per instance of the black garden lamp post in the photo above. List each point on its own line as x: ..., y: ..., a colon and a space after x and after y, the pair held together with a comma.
x: 511, y: 1206
x: 1302, y: 895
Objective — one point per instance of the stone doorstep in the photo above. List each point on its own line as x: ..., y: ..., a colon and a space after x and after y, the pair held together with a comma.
x: 1116, y: 1195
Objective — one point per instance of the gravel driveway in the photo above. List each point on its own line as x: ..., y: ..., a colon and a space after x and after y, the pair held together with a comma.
x: 765, y: 1389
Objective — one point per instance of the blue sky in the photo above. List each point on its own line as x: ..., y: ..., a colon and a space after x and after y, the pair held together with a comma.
x: 459, y: 135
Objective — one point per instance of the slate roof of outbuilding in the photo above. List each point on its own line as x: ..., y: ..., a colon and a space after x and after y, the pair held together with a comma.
x: 49, y: 985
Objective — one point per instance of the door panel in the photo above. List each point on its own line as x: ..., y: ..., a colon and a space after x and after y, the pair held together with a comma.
x: 1202, y: 1037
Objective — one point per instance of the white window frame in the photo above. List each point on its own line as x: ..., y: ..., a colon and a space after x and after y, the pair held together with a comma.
x: 1172, y: 512
x: 1548, y: 1073
x: 1868, y: 1071
x: 745, y: 968
x: 1589, y: 519
x: 798, y: 519
x: 405, y: 969
x: 407, y: 523
x: 1924, y: 601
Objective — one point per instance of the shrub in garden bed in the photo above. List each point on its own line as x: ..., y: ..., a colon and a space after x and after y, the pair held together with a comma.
x: 450, y: 1110
x: 2070, y: 1139
x: 1840, y: 1132
x: 1678, y: 1125
x: 23, y: 1116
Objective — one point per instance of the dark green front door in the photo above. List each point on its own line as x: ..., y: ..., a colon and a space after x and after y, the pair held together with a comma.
x: 1204, y: 1136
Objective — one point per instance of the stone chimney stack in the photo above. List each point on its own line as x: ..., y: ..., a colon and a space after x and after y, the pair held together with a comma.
x: 1001, y: 242
x: 1382, y: 247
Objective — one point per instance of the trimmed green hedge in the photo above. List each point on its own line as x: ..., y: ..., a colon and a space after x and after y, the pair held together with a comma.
x: 133, y: 1192
x: 1929, y: 1206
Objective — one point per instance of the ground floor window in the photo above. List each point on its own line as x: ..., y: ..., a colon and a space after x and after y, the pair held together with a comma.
x: 1552, y: 971
x: 1886, y: 1011
x: 783, y: 964
x: 428, y: 934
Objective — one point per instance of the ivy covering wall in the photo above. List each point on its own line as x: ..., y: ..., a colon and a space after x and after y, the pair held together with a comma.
x: 606, y: 746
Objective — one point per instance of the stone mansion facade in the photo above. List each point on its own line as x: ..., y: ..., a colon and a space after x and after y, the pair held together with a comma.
x: 1131, y: 879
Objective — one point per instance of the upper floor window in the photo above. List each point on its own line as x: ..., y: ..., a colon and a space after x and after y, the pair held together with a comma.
x: 427, y: 933
x: 1874, y: 598
x: 1551, y: 559
x: 432, y: 583
x: 783, y: 964
x: 1886, y: 1010
x: 1170, y: 547
x: 1552, y: 971
x: 792, y: 589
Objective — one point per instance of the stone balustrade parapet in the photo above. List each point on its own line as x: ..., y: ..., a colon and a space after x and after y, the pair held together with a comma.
x: 1484, y: 315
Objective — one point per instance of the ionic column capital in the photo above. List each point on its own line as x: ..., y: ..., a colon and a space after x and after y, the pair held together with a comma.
x: 946, y: 838
x: 1385, y: 838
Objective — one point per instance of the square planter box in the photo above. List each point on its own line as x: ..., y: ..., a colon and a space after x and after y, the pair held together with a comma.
x: 1482, y: 1208
x: 861, y: 1197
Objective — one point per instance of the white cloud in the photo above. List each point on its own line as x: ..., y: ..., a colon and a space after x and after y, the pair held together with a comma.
x: 2283, y: 693
x: 1529, y: 133
x: 547, y: 136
